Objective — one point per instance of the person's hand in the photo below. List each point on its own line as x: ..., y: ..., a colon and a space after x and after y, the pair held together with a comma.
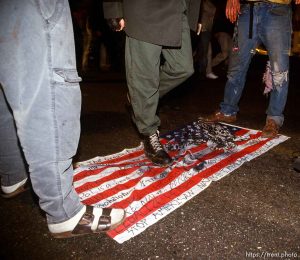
x: 122, y: 24
x: 297, y: 2
x: 116, y: 24
x: 199, y: 27
x: 233, y: 9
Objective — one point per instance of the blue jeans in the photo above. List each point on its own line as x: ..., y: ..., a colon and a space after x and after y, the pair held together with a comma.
x: 272, y: 27
x: 40, y: 102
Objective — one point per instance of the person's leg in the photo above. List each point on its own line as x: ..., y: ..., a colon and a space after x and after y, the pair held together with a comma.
x: 13, y: 167
x: 178, y: 65
x: 225, y: 42
x: 142, y: 73
x: 276, y: 36
x: 209, y: 72
x: 87, y: 43
x: 209, y: 54
x: 40, y: 82
x: 201, y: 52
x: 237, y: 71
x: 239, y: 63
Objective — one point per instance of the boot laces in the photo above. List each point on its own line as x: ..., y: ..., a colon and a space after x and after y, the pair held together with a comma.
x: 154, y: 141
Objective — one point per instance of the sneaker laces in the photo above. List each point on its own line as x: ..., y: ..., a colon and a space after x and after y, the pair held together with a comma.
x: 154, y: 141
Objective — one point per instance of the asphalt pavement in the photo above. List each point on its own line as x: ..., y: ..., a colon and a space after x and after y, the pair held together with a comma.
x: 252, y: 213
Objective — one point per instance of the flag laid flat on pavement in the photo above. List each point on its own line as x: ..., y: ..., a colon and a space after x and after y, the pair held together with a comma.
x: 202, y: 153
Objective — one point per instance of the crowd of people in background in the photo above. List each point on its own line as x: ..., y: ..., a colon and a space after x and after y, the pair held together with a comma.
x: 97, y: 46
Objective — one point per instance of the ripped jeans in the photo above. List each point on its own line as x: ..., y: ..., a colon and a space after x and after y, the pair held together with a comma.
x: 271, y: 26
x: 40, y: 102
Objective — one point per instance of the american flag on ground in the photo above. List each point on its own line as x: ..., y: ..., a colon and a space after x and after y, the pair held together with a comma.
x: 202, y: 153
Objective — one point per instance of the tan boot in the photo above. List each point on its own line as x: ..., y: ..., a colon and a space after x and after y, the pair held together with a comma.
x: 270, y: 130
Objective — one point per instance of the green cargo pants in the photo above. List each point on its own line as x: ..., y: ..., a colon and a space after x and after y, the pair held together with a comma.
x: 148, y: 79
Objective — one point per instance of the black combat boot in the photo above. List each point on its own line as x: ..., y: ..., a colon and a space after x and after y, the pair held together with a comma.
x: 155, y: 151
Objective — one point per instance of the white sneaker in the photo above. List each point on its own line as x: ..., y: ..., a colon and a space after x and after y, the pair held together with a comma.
x: 211, y: 76
x: 13, y: 190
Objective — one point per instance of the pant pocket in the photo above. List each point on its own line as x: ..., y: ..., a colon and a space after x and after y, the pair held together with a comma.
x: 280, y: 10
x: 67, y: 107
x: 244, y: 9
